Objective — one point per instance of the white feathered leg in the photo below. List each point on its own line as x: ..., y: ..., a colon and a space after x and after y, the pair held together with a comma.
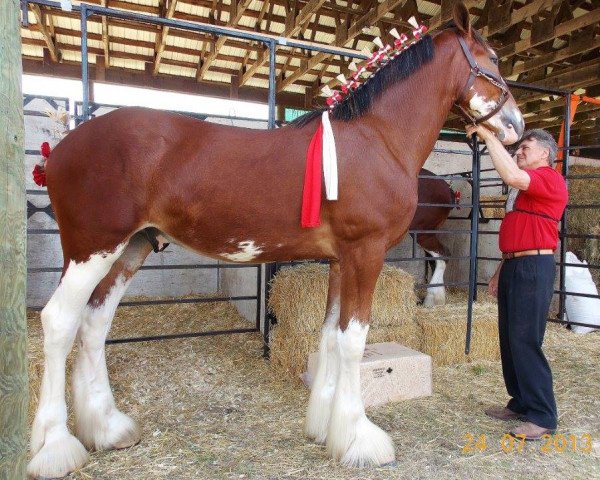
x: 55, y: 451
x: 323, y: 386
x: 98, y: 423
x: 436, y: 295
x: 352, y: 438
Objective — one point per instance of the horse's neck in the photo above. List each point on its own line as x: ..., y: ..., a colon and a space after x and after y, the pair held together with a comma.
x: 413, y: 111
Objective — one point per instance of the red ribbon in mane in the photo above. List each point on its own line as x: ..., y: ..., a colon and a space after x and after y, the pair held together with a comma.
x: 311, y: 195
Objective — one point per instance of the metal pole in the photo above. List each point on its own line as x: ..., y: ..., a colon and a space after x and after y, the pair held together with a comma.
x: 84, y: 65
x: 473, y: 241
x: 272, y: 83
x: 270, y: 268
x: 270, y: 271
x: 563, y: 224
x: 259, y: 284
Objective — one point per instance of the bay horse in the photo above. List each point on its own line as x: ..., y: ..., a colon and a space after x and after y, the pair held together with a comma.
x: 433, y: 191
x: 198, y: 184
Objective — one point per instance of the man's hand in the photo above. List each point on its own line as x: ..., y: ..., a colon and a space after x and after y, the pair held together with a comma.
x: 493, y: 285
x: 482, y: 132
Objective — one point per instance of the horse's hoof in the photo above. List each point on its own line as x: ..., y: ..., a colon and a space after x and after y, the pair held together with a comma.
x: 370, y: 446
x: 317, y: 419
x: 113, y: 432
x: 434, y: 301
x: 57, y: 458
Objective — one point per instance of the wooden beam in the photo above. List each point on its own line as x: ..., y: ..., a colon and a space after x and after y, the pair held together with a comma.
x: 564, y: 28
x: 43, y: 29
x: 576, y: 47
x: 235, y: 87
x: 365, y: 21
x: 105, y: 37
x: 172, y: 83
x: 303, y: 17
x: 235, y: 17
x: 162, y: 38
x: 446, y: 14
x: 517, y: 16
x: 14, y: 385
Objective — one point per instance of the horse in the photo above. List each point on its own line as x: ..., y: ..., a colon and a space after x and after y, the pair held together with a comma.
x: 119, y: 176
x: 433, y: 191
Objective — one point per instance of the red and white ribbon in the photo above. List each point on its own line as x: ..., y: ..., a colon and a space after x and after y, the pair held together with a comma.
x: 330, y: 173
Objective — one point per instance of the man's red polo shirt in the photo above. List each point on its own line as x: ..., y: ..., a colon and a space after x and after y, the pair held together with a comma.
x: 533, y: 223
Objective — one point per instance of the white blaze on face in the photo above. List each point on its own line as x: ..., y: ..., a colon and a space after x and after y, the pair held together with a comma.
x: 481, y: 106
x: 248, y: 251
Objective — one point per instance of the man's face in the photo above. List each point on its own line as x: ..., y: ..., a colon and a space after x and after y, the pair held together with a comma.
x: 531, y: 154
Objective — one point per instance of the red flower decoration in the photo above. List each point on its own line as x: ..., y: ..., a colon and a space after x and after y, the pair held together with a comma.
x: 39, y: 175
x: 45, y: 149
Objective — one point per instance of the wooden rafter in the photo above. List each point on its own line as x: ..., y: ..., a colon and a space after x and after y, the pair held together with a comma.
x: 236, y: 13
x: 564, y: 28
x: 46, y: 33
x: 105, y: 37
x: 291, y: 29
x: 571, y: 50
x: 161, y: 37
x: 446, y: 13
x: 517, y: 16
x: 367, y: 20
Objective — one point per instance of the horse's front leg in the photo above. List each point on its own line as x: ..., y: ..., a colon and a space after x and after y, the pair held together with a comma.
x: 352, y: 439
x: 323, y: 387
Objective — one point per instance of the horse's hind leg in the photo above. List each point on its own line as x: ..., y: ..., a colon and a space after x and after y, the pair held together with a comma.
x: 98, y: 423
x: 432, y: 245
x: 55, y: 451
x: 352, y: 439
x: 323, y: 387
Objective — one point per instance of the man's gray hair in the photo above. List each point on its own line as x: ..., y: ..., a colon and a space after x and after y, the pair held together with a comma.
x: 544, y: 139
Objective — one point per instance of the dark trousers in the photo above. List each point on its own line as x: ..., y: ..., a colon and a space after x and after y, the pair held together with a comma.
x: 524, y: 293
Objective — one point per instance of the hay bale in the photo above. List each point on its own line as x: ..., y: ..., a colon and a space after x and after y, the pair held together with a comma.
x: 444, y: 330
x: 298, y: 299
x: 290, y: 350
x: 496, y: 211
x: 299, y: 296
x: 586, y: 221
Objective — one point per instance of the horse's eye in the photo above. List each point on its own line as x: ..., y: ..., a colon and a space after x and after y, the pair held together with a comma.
x: 494, y: 60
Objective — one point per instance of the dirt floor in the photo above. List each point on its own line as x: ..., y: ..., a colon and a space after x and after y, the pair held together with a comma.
x: 212, y: 408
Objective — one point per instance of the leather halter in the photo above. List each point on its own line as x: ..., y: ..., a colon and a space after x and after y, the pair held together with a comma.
x: 477, y: 71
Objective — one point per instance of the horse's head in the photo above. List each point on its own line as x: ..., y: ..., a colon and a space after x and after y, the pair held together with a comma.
x: 483, y: 96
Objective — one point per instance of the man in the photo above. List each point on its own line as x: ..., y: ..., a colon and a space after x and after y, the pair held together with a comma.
x: 524, y: 280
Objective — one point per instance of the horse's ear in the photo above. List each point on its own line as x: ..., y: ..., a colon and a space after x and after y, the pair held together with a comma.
x: 461, y: 18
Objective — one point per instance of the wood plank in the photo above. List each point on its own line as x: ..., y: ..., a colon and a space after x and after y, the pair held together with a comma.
x: 366, y: 20
x: 575, y: 48
x: 438, y: 20
x: 162, y: 38
x: 43, y: 29
x: 105, y: 40
x: 206, y: 62
x: 14, y: 386
x: 518, y: 15
x: 304, y: 16
x: 172, y: 83
x: 564, y: 28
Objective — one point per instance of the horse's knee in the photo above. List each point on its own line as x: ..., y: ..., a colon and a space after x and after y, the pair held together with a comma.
x: 59, y: 331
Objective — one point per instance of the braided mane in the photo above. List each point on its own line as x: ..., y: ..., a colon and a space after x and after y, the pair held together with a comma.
x: 359, y: 101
